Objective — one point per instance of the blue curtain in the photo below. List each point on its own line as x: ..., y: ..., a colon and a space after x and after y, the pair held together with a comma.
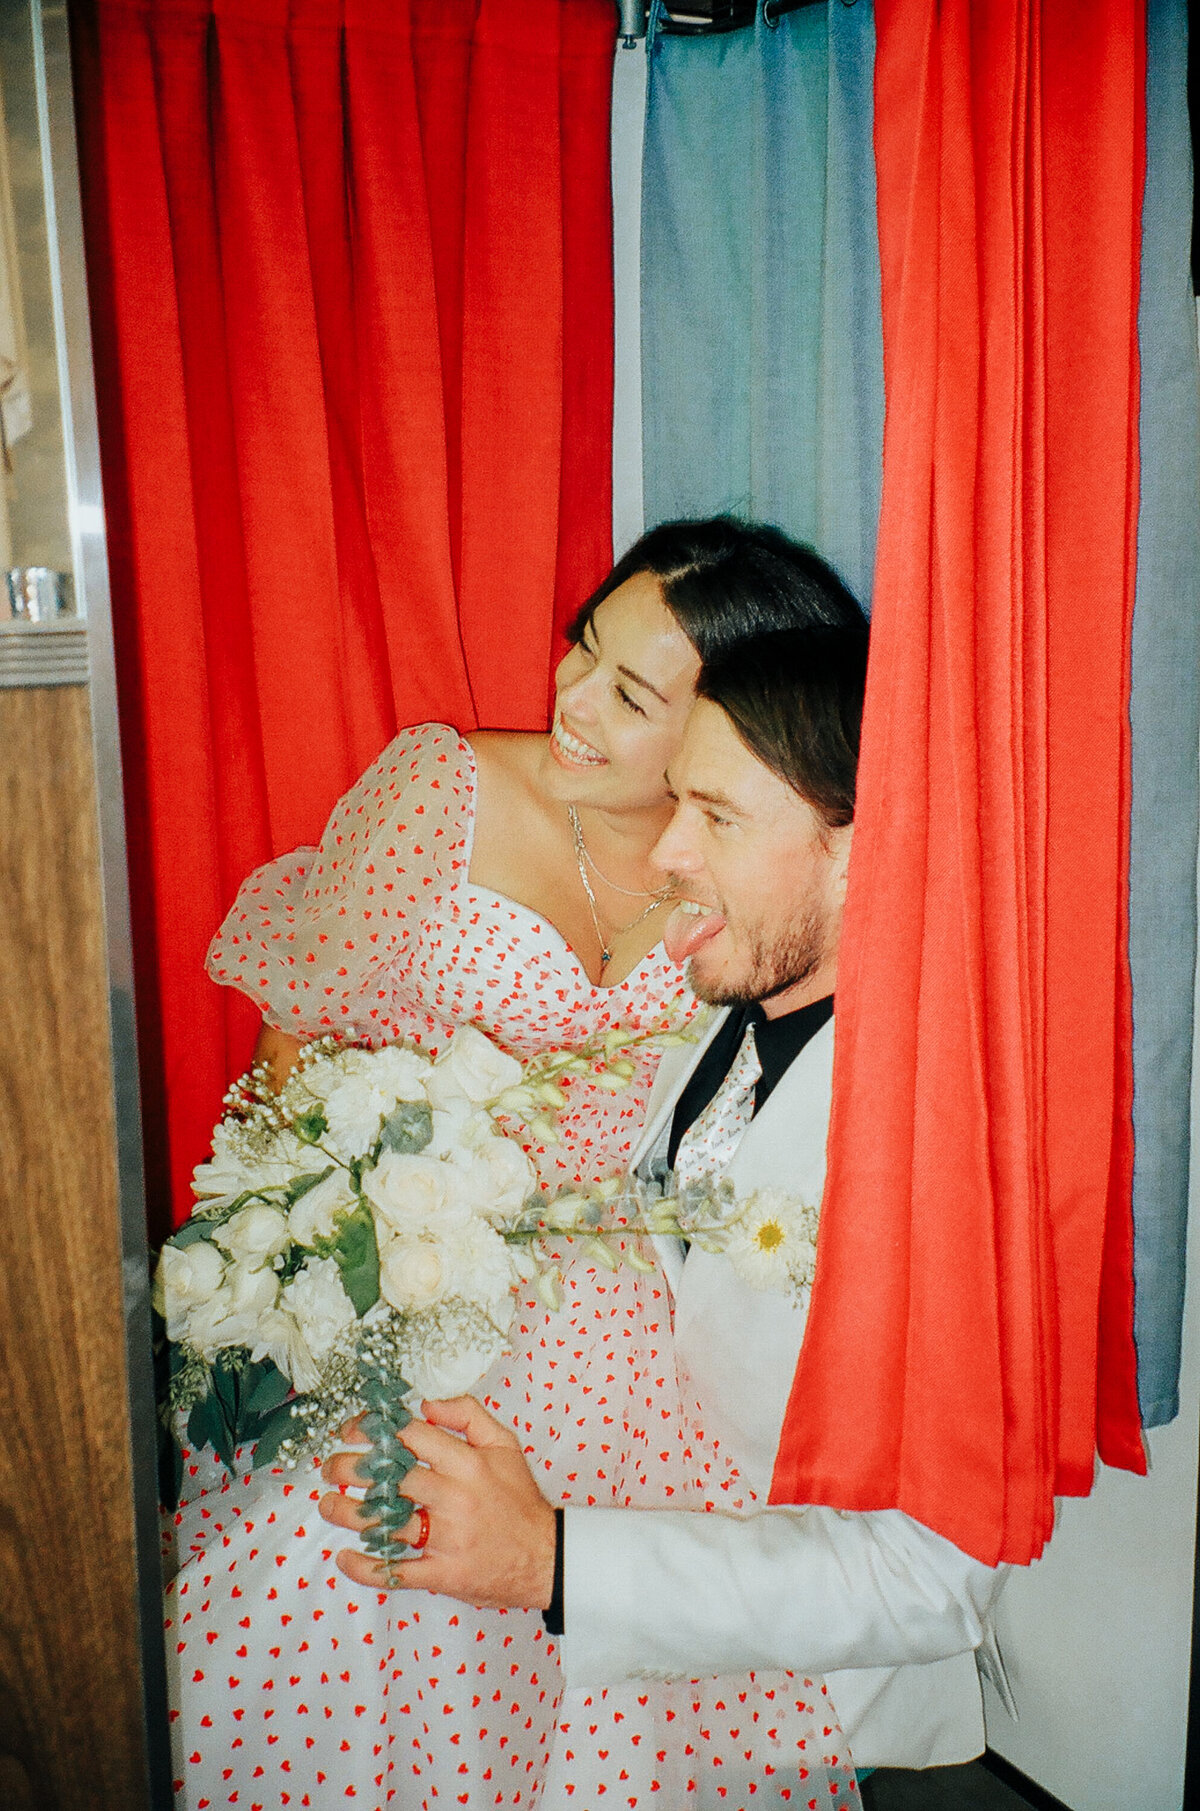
x: 1165, y: 711
x: 762, y: 362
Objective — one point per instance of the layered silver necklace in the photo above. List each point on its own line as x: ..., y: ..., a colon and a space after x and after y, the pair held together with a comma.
x: 584, y: 861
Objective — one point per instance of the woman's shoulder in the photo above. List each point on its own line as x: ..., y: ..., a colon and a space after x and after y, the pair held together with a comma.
x: 512, y: 752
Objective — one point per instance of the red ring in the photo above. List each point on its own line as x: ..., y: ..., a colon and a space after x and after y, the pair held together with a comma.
x: 422, y: 1515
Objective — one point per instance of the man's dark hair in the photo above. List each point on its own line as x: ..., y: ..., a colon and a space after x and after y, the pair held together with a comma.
x: 723, y: 580
x: 795, y: 698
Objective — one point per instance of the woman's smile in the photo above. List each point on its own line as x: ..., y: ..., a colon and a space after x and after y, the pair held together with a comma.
x: 571, y: 750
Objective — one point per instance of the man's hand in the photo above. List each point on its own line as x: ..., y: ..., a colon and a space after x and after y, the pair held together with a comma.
x: 491, y: 1532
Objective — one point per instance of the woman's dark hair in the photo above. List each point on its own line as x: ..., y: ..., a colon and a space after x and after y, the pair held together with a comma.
x: 724, y: 580
x: 795, y: 698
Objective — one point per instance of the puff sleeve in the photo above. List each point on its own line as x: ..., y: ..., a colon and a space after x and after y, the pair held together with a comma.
x: 320, y: 940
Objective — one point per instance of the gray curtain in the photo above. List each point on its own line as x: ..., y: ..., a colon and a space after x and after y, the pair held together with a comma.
x: 1165, y: 711
x: 762, y: 362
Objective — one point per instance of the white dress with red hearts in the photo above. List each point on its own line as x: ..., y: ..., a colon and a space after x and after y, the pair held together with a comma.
x: 290, y: 1685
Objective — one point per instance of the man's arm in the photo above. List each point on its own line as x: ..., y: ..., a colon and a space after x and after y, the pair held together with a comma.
x: 675, y: 1593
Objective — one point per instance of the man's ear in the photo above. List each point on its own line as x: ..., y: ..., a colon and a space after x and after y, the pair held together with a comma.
x: 838, y: 843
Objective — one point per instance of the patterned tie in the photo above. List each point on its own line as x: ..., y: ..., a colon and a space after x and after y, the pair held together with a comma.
x: 712, y: 1138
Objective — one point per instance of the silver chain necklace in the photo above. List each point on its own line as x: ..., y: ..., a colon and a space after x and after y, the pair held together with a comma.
x: 583, y: 860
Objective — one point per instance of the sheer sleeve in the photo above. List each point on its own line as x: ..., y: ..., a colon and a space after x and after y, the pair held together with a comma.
x: 320, y: 938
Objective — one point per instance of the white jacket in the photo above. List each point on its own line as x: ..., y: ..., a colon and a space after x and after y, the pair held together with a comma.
x: 888, y: 1611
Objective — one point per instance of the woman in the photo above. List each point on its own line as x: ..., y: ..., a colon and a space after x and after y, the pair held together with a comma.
x: 500, y: 880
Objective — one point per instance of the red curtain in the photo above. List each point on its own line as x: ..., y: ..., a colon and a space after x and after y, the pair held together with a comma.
x: 970, y: 1341
x: 350, y: 264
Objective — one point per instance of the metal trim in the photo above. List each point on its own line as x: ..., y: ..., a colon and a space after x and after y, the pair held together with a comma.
x: 50, y: 654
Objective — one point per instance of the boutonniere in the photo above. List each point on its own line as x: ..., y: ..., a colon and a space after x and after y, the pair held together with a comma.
x: 769, y: 1236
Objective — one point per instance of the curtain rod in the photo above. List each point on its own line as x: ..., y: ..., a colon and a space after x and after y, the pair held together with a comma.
x: 703, y: 18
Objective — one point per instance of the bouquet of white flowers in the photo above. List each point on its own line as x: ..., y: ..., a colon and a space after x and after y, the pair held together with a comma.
x: 359, y: 1236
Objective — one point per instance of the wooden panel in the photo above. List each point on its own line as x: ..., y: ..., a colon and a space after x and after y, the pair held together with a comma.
x: 71, y: 1734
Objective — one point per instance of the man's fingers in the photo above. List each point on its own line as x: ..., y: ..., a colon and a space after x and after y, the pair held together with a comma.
x: 415, y: 1574
x: 345, y: 1512
x: 342, y: 1469
x: 439, y: 1450
x: 362, y: 1569
x: 465, y: 1416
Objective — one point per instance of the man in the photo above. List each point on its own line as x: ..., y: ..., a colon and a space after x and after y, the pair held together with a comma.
x: 890, y: 1612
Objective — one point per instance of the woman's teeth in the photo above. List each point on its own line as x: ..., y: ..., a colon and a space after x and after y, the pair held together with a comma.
x: 575, y: 750
x: 693, y: 908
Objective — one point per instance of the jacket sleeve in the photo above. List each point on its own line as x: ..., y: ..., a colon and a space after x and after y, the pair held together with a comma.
x: 680, y: 1594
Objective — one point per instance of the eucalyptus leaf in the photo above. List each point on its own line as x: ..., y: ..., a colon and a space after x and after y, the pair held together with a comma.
x: 403, y: 1459
x: 377, y: 1465
x: 409, y: 1129
x: 377, y: 1428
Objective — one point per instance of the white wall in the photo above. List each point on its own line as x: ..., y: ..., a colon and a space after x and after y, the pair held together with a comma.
x: 1097, y: 1635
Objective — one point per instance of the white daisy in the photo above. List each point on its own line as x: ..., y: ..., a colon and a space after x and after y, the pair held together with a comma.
x: 772, y: 1241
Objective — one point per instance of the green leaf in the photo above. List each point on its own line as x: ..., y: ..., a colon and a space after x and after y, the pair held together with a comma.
x: 205, y: 1424
x: 312, y: 1125
x: 300, y: 1185
x: 275, y: 1429
x: 191, y: 1233
x: 357, y: 1255
x: 225, y: 1388
x: 409, y: 1129
x: 264, y: 1394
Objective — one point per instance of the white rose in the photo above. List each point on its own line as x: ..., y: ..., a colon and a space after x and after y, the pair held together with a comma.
x: 316, y: 1214
x: 184, y: 1279
x: 255, y: 1234
x: 501, y: 1176
x: 232, y: 1315
x: 471, y: 1066
x: 411, y: 1273
x: 280, y: 1339
x: 474, y: 1264
x: 411, y: 1193
x: 317, y: 1297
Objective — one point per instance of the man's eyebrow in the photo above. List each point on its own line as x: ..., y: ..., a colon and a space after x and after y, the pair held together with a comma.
x: 719, y: 800
x: 638, y: 680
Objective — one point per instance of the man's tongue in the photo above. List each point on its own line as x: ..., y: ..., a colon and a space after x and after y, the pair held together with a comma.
x: 686, y: 931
